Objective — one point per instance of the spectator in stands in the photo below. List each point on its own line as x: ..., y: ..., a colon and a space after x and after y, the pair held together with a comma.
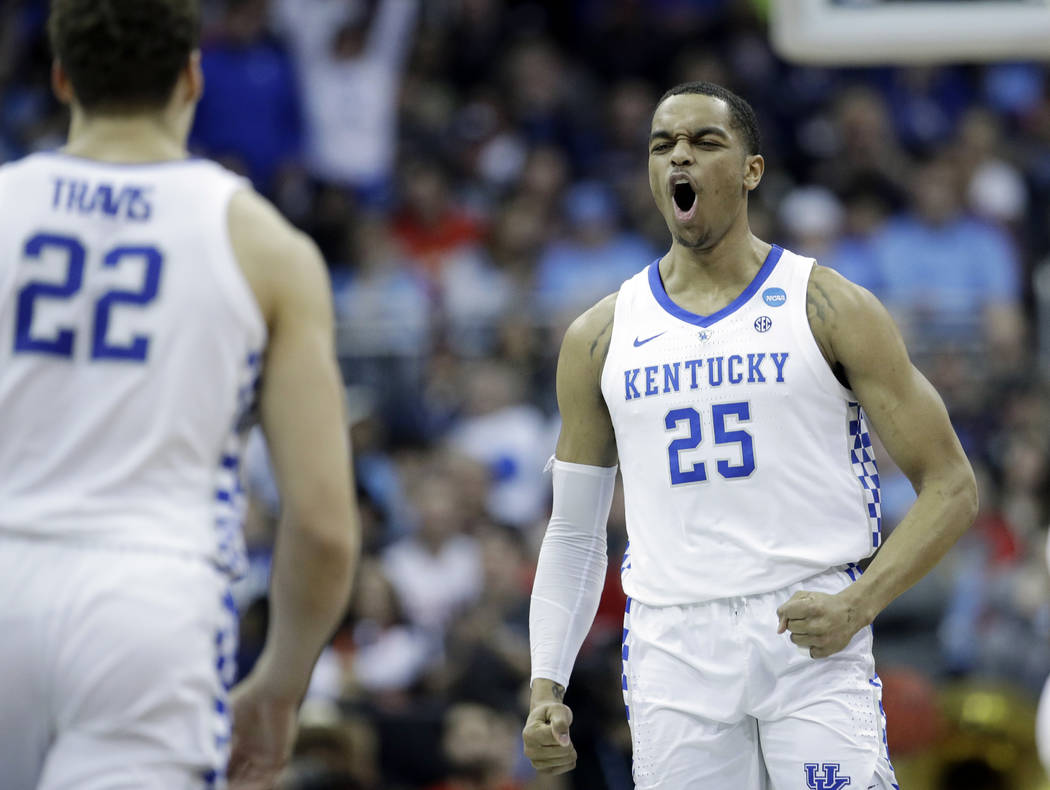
x: 487, y: 649
x: 479, y: 746
x: 952, y: 280
x: 430, y: 225
x: 246, y: 68
x: 864, y: 141
x: 511, y: 437
x: 593, y: 259
x: 436, y: 571
x: 350, y: 56
x: 995, y: 188
x: 382, y: 302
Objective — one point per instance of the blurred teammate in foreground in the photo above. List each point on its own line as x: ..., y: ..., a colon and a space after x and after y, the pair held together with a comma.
x: 732, y: 380
x: 151, y: 306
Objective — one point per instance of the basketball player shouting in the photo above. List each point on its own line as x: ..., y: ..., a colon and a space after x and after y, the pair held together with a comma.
x: 732, y: 380
x: 142, y: 296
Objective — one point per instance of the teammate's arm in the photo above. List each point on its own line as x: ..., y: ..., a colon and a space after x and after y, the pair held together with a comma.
x: 302, y: 411
x: 570, y: 571
x: 859, y: 338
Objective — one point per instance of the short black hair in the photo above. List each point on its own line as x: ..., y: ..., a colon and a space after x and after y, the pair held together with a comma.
x: 742, y: 116
x: 123, y: 55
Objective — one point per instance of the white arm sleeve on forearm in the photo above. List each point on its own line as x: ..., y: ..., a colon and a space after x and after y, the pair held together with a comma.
x: 570, y: 572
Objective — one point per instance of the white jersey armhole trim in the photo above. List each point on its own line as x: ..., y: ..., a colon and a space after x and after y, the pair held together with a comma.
x: 810, y: 348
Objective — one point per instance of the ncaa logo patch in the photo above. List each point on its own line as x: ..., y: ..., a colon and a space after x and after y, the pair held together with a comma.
x: 763, y: 323
x: 774, y: 297
x: 825, y: 777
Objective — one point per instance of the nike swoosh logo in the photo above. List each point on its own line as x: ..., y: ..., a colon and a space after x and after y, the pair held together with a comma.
x: 638, y: 342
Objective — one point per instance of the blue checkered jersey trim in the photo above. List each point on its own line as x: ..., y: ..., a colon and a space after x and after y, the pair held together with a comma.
x: 862, y: 458
x: 230, y: 498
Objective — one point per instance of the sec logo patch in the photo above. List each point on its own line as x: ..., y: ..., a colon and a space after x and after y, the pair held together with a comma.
x: 763, y: 323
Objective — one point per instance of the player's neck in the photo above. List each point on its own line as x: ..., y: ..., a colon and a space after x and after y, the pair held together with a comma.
x: 126, y: 139
x: 733, y: 260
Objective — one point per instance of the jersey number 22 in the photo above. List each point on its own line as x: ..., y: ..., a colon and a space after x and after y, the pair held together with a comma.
x: 60, y: 343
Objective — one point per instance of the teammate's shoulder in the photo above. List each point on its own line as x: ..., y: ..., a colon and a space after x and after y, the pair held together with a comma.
x: 258, y: 228
x: 281, y: 263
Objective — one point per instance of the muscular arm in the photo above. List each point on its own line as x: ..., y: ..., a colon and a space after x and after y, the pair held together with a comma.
x: 586, y: 435
x: 586, y: 431
x: 570, y: 572
x: 301, y: 404
x: 863, y: 346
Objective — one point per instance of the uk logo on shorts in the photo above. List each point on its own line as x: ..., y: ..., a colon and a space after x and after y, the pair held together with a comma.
x: 774, y: 297
x: 825, y: 776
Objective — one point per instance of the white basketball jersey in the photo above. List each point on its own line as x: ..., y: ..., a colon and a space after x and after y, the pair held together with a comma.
x: 746, y: 466
x: 130, y: 351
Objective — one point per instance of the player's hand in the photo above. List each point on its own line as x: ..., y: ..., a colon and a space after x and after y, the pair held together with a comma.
x: 823, y: 623
x: 546, y: 736
x: 264, y: 728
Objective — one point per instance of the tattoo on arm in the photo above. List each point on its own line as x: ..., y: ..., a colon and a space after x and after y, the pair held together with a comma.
x: 818, y: 303
x: 599, y: 336
x: 558, y: 691
x: 819, y: 310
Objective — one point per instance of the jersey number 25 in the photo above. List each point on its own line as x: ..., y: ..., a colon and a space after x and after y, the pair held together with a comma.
x: 719, y: 412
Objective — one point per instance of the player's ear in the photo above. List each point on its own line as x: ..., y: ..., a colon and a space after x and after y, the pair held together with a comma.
x: 754, y: 167
x: 61, y: 85
x: 193, y: 76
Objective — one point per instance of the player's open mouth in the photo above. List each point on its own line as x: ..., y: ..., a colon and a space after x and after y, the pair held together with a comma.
x: 684, y: 198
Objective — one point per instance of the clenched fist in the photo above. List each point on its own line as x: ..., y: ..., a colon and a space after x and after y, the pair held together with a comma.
x: 546, y: 732
x: 823, y: 623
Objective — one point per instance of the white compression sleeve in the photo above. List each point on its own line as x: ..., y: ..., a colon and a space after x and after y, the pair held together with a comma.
x: 570, y: 572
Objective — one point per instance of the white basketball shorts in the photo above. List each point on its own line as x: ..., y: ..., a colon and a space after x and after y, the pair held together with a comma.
x: 114, y: 667
x: 716, y: 699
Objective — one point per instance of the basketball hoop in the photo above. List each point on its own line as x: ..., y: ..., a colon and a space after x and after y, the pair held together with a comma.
x: 855, y: 32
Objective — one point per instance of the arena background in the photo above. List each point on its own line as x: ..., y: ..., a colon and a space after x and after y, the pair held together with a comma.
x: 475, y: 173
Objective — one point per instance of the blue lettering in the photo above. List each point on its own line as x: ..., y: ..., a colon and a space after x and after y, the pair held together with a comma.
x: 139, y: 208
x: 671, y: 377
x: 693, y: 365
x: 754, y: 372
x: 734, y: 377
x: 629, y: 378
x: 103, y: 200
x: 711, y: 371
x: 650, y: 380
x: 130, y: 202
x: 779, y: 360
x: 75, y: 195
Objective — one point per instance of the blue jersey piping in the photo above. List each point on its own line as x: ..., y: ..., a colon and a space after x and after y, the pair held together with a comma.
x: 657, y: 286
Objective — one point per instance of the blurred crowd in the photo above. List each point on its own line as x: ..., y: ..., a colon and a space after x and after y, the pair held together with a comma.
x: 474, y: 172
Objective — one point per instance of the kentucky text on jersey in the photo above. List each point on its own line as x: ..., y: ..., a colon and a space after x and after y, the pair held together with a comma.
x: 653, y: 380
x: 127, y: 202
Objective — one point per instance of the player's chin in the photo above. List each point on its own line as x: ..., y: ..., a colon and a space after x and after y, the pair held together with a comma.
x: 689, y: 236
